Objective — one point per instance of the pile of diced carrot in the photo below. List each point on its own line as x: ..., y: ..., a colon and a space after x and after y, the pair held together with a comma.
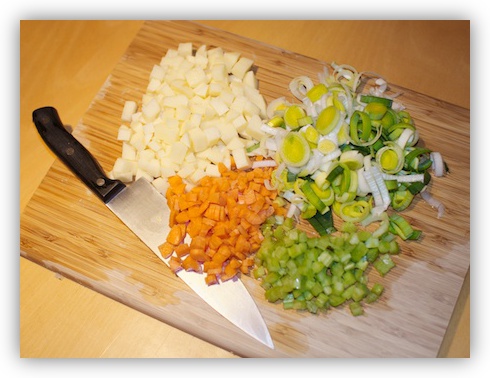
x: 222, y: 216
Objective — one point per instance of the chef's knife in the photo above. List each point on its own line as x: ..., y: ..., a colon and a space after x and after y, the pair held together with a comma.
x: 144, y: 210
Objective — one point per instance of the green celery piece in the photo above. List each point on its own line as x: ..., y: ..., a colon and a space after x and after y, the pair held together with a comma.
x: 356, y: 308
x: 384, y: 264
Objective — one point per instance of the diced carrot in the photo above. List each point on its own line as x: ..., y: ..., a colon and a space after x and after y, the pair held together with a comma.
x: 166, y: 249
x: 182, y: 217
x: 222, y: 216
x: 198, y: 242
x: 190, y: 264
x: 176, y: 234
x: 211, y: 279
x: 199, y: 255
x: 175, y: 264
x: 215, y: 242
x: 182, y: 250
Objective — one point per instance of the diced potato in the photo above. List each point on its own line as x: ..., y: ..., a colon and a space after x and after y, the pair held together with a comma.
x: 178, y: 152
x: 124, y: 133
x: 235, y: 143
x: 129, y: 109
x: 257, y: 99
x: 185, y: 49
x: 154, y: 85
x: 250, y: 80
x: 167, y: 131
x: 217, y: 154
x: 176, y: 100
x: 194, y: 108
x: 186, y: 170
x: 151, y: 110
x: 241, y: 67
x: 215, y: 56
x: 128, y: 152
x: 228, y: 132
x: 240, y: 123
x: 254, y: 128
x: 161, y: 185
x: 219, y: 106
x: 158, y: 72
x: 197, y: 175
x: 195, y: 77
x: 138, y: 141
x: 199, y: 140
x: 141, y: 173
x: 124, y: 170
x: 219, y: 73
x: 242, y: 161
x: 201, y: 90
x: 213, y: 135
x: 212, y: 170
x: 230, y: 59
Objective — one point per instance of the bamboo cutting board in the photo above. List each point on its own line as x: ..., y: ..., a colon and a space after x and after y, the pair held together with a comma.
x: 66, y: 229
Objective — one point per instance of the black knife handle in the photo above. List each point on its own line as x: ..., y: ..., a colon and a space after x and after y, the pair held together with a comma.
x: 73, y: 154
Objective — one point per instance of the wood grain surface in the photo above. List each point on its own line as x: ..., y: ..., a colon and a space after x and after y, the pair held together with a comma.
x: 65, y: 229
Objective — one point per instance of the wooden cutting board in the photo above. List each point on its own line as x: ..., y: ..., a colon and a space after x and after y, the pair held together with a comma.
x: 65, y: 228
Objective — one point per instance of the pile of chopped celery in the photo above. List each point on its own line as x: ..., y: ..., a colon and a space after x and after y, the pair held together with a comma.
x: 317, y: 273
x: 345, y: 152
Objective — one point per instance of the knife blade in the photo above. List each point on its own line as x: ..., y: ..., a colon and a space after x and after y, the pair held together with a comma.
x: 145, y: 212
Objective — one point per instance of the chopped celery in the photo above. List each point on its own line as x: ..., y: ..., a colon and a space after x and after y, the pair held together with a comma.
x: 316, y: 273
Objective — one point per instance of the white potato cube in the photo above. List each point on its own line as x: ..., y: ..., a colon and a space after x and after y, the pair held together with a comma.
x: 219, y: 73
x: 129, y: 109
x: 168, y: 131
x: 241, y: 67
x: 178, y: 152
x: 228, y: 132
x: 217, y: 155
x: 197, y: 175
x: 158, y: 72
x: 254, y: 128
x: 124, y: 133
x: 213, y: 135
x: 215, y: 56
x: 124, y: 170
x: 142, y: 174
x: 128, y: 152
x: 235, y: 143
x: 212, y: 170
x: 250, y: 80
x: 176, y: 100
x: 242, y: 161
x: 240, y: 123
x: 195, y: 77
x: 138, y: 141
x: 201, y: 90
x: 257, y: 99
x: 199, y: 140
x: 151, y: 110
x: 161, y: 185
x: 230, y: 59
x: 185, y: 49
x: 219, y: 106
x: 154, y: 85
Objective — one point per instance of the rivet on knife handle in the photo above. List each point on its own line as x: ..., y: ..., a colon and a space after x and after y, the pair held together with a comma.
x: 74, y: 154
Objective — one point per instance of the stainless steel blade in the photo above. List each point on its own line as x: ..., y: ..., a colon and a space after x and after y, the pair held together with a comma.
x: 146, y: 213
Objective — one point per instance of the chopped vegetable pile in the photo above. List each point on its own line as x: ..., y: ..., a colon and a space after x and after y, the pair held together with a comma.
x: 222, y: 216
x: 239, y: 174
x: 355, y: 155
x: 314, y: 273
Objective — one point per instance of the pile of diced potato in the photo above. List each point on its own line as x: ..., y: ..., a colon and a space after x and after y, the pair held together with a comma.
x: 200, y: 109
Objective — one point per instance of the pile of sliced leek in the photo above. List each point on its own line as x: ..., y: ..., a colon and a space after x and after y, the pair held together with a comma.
x: 352, y: 153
